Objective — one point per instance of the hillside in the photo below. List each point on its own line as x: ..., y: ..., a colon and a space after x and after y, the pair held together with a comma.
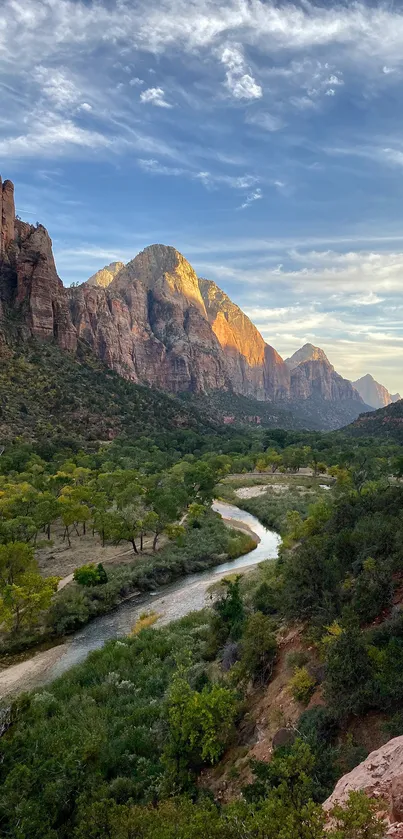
x: 385, y: 422
x: 373, y: 393
x: 44, y: 391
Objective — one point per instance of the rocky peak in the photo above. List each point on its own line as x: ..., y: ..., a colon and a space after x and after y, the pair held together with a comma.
x: 28, y: 278
x: 373, y: 393
x: 104, y: 276
x: 7, y: 217
x: 164, y: 271
x: 307, y: 353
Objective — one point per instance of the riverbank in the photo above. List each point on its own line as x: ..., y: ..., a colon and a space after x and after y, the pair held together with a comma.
x: 171, y: 602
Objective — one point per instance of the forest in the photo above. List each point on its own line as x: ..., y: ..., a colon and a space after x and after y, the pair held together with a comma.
x: 117, y: 746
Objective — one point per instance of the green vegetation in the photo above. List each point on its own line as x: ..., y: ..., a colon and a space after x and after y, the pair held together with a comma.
x: 108, y: 749
x: 116, y: 746
x: 91, y: 575
x: 46, y: 392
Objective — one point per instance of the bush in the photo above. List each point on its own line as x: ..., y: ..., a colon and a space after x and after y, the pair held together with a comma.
x: 302, y: 685
x: 91, y: 575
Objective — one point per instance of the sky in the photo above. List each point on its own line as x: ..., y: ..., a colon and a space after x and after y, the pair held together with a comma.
x: 264, y: 140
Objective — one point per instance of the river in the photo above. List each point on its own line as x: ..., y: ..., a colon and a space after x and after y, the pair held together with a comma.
x: 170, y: 603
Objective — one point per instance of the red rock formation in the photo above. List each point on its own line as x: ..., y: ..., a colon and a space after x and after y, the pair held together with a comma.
x: 28, y: 278
x: 312, y: 375
x: 39, y: 289
x: 380, y: 776
x: 150, y: 324
x: 255, y: 368
x: 7, y: 217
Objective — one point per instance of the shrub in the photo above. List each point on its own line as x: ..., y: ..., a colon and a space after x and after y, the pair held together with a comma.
x: 301, y: 685
x: 91, y: 575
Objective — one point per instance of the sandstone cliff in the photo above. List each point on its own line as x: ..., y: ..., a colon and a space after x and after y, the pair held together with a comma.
x: 104, y: 276
x: 29, y: 284
x: 150, y: 324
x: 254, y: 367
x: 307, y: 353
x: 312, y: 375
x: 380, y: 776
x: 373, y: 393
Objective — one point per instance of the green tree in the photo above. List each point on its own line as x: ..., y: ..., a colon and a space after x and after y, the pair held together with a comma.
x: 199, y: 727
x: 259, y: 647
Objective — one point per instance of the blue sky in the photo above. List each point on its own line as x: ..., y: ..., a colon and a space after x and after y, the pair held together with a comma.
x: 263, y: 140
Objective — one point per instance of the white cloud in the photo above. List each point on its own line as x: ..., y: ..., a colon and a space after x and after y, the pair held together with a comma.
x: 253, y: 196
x: 334, y: 80
x: 49, y: 135
x: 330, y: 92
x: 85, y: 107
x: 266, y: 121
x: 157, y: 168
x: 239, y: 80
x: 136, y: 82
x: 58, y: 87
x: 154, y: 96
x: 210, y: 180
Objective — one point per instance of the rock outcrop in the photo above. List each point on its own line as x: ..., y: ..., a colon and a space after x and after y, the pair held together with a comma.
x: 373, y: 393
x: 255, y: 368
x: 29, y: 284
x: 313, y: 376
x: 7, y: 218
x: 151, y: 325
x: 307, y: 353
x: 104, y: 276
x: 380, y: 776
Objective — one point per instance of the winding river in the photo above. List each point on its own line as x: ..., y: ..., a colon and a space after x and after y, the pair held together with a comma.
x: 169, y: 602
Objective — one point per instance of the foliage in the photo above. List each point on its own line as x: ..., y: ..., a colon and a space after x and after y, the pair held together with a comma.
x: 358, y: 819
x: 24, y: 594
x: 258, y: 648
x: 302, y: 685
x: 199, y: 727
x: 91, y: 575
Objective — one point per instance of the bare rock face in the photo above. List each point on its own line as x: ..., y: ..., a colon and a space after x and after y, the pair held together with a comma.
x: 7, y: 218
x: 312, y: 375
x: 307, y: 353
x: 29, y: 283
x: 380, y: 776
x: 150, y: 324
x: 39, y: 289
x: 255, y: 368
x: 316, y: 378
x: 104, y: 276
x: 373, y: 393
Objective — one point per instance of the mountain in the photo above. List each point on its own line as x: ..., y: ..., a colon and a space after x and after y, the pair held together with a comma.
x: 104, y: 276
x: 386, y: 423
x: 156, y: 323
x: 312, y: 375
x: 255, y: 368
x: 30, y: 288
x: 307, y: 353
x: 151, y: 324
x: 373, y: 393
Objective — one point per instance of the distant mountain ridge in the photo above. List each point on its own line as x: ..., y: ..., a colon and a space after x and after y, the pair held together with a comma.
x: 156, y: 323
x: 373, y: 393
